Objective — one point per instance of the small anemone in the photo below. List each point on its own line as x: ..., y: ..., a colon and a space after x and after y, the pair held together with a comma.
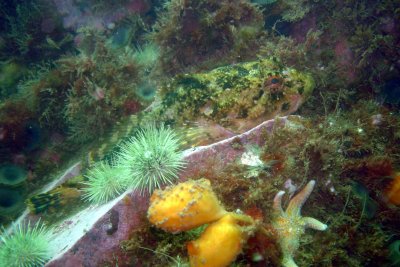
x: 12, y: 175
x: 11, y: 202
x: 146, y: 91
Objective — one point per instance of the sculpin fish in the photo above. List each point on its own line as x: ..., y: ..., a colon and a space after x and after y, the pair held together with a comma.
x: 222, y: 102
x: 236, y: 97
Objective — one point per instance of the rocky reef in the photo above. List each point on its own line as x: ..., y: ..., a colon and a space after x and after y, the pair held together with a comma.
x: 104, y: 102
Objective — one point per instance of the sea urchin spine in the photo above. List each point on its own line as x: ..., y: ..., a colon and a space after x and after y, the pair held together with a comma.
x: 26, y: 246
x: 152, y: 158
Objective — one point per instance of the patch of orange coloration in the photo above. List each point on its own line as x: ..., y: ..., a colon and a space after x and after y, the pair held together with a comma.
x: 274, y: 83
x: 379, y: 168
x: 263, y: 249
x: 278, y: 160
x: 221, y: 242
x: 393, y: 192
x: 184, y: 206
x: 131, y: 106
x: 127, y: 200
x: 255, y: 213
x: 373, y: 169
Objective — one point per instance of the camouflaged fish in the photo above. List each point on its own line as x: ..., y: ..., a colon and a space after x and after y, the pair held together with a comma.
x: 210, y: 106
x: 237, y: 97
x: 205, y: 108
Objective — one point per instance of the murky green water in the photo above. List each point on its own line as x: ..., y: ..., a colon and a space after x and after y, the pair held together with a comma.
x: 100, y: 98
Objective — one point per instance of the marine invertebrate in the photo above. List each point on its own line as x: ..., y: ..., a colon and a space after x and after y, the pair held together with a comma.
x: 146, y: 91
x: 26, y: 246
x: 222, y: 241
x: 12, y: 175
x: 11, y: 202
x: 290, y: 225
x: 147, y: 56
x: 193, y: 203
x: 152, y: 158
x: 105, y: 182
x: 393, y: 191
x: 185, y: 206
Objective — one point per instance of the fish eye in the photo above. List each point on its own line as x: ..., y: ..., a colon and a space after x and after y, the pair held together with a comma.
x: 273, y: 83
x: 275, y: 80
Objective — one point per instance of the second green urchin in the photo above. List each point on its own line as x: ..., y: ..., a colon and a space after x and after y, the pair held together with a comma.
x: 152, y: 158
x: 105, y: 182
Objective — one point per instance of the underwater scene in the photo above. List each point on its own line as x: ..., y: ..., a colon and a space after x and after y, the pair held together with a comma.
x: 199, y: 133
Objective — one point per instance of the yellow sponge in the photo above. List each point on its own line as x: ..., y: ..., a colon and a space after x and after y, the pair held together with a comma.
x: 185, y: 206
x: 220, y: 243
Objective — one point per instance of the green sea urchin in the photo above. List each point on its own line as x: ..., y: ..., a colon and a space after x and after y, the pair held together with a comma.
x: 105, y: 182
x: 152, y: 157
x: 26, y: 246
x: 147, y: 56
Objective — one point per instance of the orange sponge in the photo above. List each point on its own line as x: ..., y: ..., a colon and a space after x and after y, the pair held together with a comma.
x: 393, y: 192
x: 221, y: 242
x: 184, y: 206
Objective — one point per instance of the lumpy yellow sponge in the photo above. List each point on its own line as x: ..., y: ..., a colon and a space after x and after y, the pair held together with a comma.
x: 221, y: 242
x: 193, y: 203
x: 185, y: 206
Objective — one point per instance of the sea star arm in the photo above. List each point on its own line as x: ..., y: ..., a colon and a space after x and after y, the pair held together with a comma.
x: 288, y: 262
x: 278, y: 202
x: 314, y: 224
x: 297, y: 202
